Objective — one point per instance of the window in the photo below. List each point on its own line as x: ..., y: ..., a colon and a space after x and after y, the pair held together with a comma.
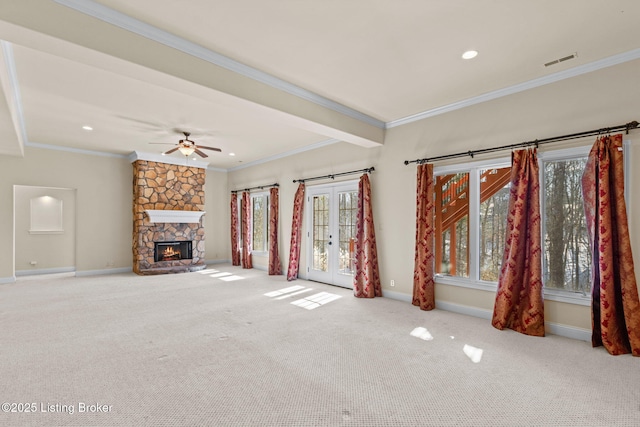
x: 260, y: 219
x: 471, y: 208
x: 566, y: 252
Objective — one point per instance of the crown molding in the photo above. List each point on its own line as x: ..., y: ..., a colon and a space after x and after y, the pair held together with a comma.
x: 74, y: 150
x: 286, y: 154
x: 113, y: 17
x: 521, y: 87
x: 171, y: 160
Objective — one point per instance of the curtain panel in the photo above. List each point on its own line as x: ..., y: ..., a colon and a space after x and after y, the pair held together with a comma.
x: 423, y: 270
x: 274, y: 256
x: 519, y: 303
x: 246, y: 230
x: 296, y: 233
x: 615, y: 309
x: 366, y: 282
x: 235, y: 248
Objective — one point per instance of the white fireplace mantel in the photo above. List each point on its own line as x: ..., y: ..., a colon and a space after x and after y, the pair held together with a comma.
x: 174, y: 216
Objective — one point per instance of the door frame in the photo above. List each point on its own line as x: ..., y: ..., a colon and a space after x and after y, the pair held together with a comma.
x: 333, y: 276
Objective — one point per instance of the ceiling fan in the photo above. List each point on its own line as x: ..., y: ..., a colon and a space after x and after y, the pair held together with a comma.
x: 188, y: 147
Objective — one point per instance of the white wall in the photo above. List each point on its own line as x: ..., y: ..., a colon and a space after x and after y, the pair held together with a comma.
x: 599, y: 99
x: 50, y: 251
x: 104, y: 197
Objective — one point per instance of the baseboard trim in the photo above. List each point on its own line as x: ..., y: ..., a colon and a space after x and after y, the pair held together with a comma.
x: 85, y: 273
x: 465, y: 309
x: 217, y: 261
x: 56, y: 270
x: 568, y: 331
x: 396, y: 295
x: 550, y: 327
x: 7, y: 280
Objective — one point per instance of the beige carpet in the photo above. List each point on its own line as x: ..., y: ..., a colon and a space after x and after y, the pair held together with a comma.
x: 228, y: 347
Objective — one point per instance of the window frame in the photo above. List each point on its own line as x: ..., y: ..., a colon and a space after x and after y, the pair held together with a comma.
x: 573, y: 153
x: 265, y: 227
x: 473, y: 169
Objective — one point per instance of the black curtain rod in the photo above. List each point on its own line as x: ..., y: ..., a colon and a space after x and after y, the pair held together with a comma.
x: 367, y: 170
x: 625, y: 127
x: 261, y: 187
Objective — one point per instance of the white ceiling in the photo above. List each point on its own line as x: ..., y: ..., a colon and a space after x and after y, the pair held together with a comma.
x: 263, y: 79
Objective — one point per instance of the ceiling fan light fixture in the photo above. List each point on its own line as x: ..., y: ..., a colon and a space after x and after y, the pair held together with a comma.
x: 187, y: 151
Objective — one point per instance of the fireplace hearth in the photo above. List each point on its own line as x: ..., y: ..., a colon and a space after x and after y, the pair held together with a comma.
x: 172, y: 251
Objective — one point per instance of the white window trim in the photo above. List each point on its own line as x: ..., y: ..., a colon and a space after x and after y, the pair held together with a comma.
x: 266, y: 222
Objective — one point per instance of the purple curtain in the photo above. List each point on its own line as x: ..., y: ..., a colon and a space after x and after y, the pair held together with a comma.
x: 274, y: 257
x: 423, y: 270
x: 519, y: 301
x: 235, y: 249
x: 296, y: 234
x: 366, y: 282
x: 615, y: 309
x: 246, y: 230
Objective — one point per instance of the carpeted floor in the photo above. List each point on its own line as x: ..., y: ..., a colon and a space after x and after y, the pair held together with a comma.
x: 233, y: 347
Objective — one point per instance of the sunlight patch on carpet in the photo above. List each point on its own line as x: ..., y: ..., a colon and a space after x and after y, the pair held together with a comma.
x: 284, y: 291
x: 295, y: 293
x: 208, y: 271
x: 475, y: 354
x: 316, y: 300
x: 232, y: 278
x: 422, y: 333
x: 221, y: 274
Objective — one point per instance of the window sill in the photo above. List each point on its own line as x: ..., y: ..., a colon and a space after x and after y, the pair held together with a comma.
x: 549, y: 294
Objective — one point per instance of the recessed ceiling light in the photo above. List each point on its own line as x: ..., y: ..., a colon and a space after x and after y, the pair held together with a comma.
x: 85, y: 127
x: 232, y: 154
x: 469, y: 54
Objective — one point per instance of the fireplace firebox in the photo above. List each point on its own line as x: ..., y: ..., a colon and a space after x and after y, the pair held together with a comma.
x: 172, y: 251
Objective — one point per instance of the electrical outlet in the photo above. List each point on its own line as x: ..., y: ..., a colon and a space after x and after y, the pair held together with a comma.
x: 393, y: 282
x: 33, y: 262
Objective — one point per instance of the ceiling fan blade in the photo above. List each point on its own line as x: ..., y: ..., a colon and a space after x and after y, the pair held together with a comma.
x: 200, y: 153
x: 171, y: 151
x: 165, y: 143
x: 209, y: 148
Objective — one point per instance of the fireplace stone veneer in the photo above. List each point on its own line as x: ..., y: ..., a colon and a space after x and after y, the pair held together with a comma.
x: 162, y: 186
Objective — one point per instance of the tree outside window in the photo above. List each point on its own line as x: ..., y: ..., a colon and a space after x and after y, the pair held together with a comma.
x: 260, y: 210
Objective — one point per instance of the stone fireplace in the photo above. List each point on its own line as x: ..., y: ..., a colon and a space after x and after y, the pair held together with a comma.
x: 168, y: 204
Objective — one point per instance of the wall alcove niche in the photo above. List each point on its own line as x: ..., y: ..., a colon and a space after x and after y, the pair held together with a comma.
x: 44, y: 230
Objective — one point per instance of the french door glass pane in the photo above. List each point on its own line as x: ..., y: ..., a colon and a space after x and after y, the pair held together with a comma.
x: 320, y: 232
x: 348, y: 207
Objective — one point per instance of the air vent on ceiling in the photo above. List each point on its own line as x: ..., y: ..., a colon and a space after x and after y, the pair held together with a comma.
x: 559, y: 60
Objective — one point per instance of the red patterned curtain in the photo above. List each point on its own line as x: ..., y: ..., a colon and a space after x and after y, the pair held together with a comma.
x: 296, y: 234
x: 519, y: 301
x: 615, y: 309
x: 366, y: 282
x: 274, y: 256
x: 423, y: 271
x: 245, y: 206
x: 235, y: 249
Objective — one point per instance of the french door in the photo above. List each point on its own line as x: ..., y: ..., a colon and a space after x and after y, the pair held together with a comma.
x: 331, y: 232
